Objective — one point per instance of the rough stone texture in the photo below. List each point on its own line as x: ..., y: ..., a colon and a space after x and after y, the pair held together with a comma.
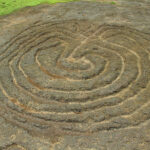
x: 75, y: 76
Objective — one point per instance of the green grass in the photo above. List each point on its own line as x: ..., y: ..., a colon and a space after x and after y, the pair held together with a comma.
x: 8, y: 6
x: 113, y: 3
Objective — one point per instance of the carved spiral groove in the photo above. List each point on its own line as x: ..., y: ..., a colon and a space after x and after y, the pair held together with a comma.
x: 75, y: 76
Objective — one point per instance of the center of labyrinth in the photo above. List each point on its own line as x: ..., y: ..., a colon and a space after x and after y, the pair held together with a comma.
x: 75, y: 77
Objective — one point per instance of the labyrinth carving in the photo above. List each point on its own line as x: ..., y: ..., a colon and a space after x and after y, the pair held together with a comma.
x: 75, y: 77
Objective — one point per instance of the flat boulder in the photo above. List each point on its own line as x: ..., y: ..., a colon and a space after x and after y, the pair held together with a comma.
x: 76, y: 76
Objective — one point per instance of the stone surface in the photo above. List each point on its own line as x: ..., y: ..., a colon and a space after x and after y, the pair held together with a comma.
x: 75, y: 76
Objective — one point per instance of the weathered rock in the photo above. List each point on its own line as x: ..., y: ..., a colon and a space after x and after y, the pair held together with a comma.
x: 75, y: 76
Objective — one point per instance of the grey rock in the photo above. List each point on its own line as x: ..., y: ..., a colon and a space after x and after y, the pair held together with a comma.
x: 75, y: 76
